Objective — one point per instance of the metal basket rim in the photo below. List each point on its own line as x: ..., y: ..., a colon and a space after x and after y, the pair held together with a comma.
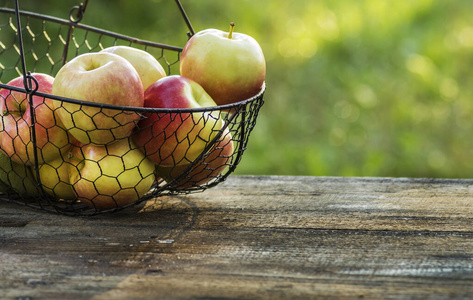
x: 141, y: 109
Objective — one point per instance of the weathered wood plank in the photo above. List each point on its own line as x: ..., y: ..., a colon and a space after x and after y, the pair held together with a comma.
x: 253, y: 237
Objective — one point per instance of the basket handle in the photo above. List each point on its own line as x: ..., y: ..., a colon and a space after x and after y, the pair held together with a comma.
x: 31, y: 86
x: 79, y: 9
x: 191, y: 31
x: 20, y: 45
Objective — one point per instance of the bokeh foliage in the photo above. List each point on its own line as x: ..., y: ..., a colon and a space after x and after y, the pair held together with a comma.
x: 354, y: 87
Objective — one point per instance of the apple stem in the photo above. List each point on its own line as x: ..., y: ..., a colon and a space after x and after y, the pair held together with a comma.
x: 230, y: 34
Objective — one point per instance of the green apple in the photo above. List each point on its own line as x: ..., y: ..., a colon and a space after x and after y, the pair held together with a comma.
x: 103, y: 78
x: 54, y: 177
x: 172, y: 138
x: 18, y: 177
x: 230, y: 66
x: 110, y: 176
x: 147, y: 66
x: 211, y: 165
x: 4, y: 188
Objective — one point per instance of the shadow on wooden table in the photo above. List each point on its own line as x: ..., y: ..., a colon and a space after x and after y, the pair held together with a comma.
x: 43, y: 252
x: 253, y: 237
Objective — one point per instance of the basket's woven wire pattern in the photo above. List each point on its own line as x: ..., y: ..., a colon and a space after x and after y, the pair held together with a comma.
x: 48, y: 44
x: 45, y: 42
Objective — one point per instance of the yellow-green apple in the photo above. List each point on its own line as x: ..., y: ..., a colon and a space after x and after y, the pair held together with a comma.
x: 147, y: 66
x: 17, y: 177
x: 176, y: 138
x: 4, y: 188
x: 110, y: 176
x: 102, y: 78
x: 230, y: 66
x: 54, y: 178
x: 17, y: 135
x: 211, y: 165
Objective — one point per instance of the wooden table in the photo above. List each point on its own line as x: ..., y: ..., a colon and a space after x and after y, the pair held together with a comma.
x: 252, y: 238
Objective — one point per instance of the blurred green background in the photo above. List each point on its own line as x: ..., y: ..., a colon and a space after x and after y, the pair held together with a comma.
x: 354, y: 87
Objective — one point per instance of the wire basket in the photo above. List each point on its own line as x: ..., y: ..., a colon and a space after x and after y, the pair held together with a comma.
x: 43, y: 166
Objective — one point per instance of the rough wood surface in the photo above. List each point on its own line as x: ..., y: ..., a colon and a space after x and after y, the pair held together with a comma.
x: 252, y: 238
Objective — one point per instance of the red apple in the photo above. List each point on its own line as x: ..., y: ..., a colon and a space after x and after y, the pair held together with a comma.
x: 112, y: 175
x: 100, y: 78
x: 229, y: 66
x: 171, y: 138
x: 16, y: 137
x: 211, y: 165
x: 145, y: 64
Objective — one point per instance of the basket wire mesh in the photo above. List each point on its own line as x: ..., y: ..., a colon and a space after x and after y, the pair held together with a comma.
x: 32, y: 43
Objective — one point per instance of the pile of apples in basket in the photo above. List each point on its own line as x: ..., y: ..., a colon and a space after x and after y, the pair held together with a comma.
x: 106, y: 157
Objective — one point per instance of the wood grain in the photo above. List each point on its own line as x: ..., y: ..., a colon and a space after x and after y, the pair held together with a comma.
x: 268, y: 237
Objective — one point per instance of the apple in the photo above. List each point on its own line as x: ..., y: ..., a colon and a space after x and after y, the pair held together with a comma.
x: 103, y: 78
x: 110, y: 176
x: 17, y: 177
x: 54, y: 177
x: 211, y: 165
x: 147, y: 66
x: 173, y: 138
x: 229, y: 66
x: 16, y: 120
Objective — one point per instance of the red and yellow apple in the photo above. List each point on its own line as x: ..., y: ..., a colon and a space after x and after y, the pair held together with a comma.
x: 211, y: 165
x: 148, y: 67
x: 176, y: 138
x: 102, y: 78
x: 16, y: 121
x: 230, y: 66
x: 110, y: 176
